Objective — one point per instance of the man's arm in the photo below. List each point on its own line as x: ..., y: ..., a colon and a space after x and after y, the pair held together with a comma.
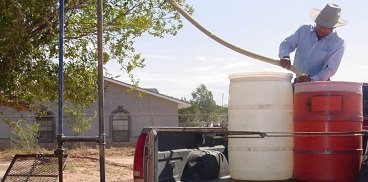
x: 287, y: 46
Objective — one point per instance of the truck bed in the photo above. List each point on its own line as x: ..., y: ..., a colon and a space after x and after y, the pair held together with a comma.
x: 168, y: 151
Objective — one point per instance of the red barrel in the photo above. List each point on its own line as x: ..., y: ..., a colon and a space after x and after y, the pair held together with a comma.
x: 328, y: 107
x: 365, y: 127
x: 365, y: 114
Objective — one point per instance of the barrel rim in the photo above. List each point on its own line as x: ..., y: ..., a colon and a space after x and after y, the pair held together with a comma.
x: 255, y: 75
x: 328, y: 86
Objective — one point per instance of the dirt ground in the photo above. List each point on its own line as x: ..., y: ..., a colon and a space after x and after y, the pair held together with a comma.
x: 83, y: 164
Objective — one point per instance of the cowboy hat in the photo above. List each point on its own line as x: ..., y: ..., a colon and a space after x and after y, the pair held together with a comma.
x: 329, y: 16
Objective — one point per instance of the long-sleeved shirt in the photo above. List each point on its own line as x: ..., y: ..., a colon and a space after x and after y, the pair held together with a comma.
x: 317, y: 58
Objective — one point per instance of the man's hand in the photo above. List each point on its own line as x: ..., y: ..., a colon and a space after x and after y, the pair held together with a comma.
x: 303, y: 78
x: 285, y: 63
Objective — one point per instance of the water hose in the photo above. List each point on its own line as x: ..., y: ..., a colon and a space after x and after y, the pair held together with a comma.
x: 226, y: 44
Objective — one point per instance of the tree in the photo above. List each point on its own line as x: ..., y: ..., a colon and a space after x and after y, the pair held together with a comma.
x: 29, y: 45
x: 202, y: 98
x: 204, y: 109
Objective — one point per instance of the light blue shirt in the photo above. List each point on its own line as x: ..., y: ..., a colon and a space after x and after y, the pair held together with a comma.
x: 317, y: 58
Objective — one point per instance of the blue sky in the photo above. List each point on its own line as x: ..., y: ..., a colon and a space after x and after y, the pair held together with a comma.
x: 177, y: 65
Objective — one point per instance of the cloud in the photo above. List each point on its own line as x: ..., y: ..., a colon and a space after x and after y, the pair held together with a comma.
x: 236, y: 65
x: 158, y: 56
x: 201, y: 58
x: 225, y: 59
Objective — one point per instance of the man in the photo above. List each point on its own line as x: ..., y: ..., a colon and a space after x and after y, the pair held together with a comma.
x: 319, y: 49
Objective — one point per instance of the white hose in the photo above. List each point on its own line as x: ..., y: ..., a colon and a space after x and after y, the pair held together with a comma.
x: 226, y: 44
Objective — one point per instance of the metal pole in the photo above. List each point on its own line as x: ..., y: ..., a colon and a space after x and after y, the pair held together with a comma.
x: 101, y: 89
x: 60, y: 151
x: 222, y: 100
x: 81, y: 139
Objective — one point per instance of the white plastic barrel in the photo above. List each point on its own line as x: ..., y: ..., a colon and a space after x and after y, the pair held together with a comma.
x: 260, y: 101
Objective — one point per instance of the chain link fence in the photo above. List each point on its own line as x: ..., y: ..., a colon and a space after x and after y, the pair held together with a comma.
x: 29, y: 130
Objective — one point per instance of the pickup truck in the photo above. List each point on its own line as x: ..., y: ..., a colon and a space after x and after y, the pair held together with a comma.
x: 188, y: 154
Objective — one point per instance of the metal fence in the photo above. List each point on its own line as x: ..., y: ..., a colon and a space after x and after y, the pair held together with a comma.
x: 118, y: 128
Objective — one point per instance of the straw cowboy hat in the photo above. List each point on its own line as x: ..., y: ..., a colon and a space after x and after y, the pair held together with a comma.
x: 329, y: 16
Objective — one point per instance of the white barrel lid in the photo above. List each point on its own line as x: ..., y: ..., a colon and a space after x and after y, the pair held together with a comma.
x: 321, y: 86
x: 261, y: 76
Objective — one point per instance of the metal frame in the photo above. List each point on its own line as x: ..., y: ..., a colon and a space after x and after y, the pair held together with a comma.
x: 100, y: 139
x: 31, y: 173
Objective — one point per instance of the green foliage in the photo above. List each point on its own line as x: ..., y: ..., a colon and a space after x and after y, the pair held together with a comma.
x: 24, y: 135
x: 78, y: 122
x: 204, y: 109
x: 29, y: 44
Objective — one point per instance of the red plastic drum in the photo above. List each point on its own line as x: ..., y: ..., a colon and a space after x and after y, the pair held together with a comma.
x: 327, y: 107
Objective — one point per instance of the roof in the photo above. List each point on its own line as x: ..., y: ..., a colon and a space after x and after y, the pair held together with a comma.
x: 153, y: 92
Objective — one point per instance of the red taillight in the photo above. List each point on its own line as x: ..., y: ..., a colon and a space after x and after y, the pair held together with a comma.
x: 138, y: 157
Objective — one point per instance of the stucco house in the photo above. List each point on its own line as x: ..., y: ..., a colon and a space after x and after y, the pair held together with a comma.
x: 126, y: 112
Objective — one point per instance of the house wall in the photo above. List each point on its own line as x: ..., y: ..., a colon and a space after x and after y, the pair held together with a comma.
x: 145, y: 111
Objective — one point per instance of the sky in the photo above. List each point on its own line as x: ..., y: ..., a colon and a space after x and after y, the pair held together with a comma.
x: 177, y: 65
